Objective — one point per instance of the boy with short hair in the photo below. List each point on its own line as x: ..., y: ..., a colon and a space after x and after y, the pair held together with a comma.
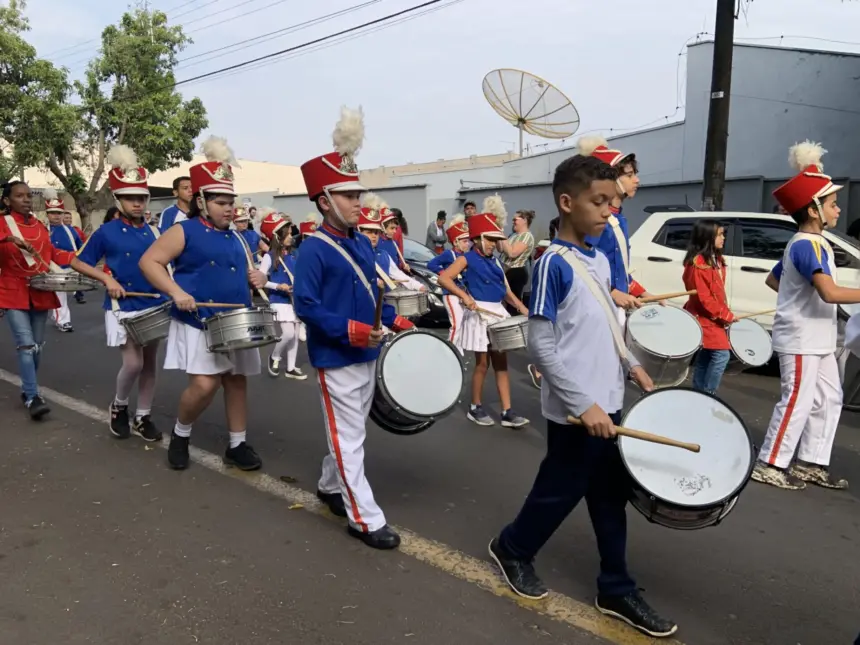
x: 805, y: 333
x: 572, y: 338
x: 177, y: 212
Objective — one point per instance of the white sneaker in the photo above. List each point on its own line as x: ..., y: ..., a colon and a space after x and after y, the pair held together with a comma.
x: 296, y: 374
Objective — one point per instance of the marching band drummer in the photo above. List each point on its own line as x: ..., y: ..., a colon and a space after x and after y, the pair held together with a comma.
x: 336, y: 296
x: 458, y: 236
x: 370, y: 225
x: 252, y: 238
x: 25, y: 252
x: 390, y: 226
x: 66, y: 239
x: 485, y: 288
x: 805, y: 332
x: 705, y: 272
x: 280, y: 267
x: 122, y: 242
x: 210, y: 263
x: 571, y: 338
x: 67, y: 221
x: 306, y: 228
x: 615, y: 240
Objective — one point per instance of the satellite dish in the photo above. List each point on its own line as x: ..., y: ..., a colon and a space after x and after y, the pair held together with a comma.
x: 530, y: 104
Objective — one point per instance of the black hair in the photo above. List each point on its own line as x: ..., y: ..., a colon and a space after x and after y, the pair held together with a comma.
x: 401, y: 220
x: 441, y: 215
x: 178, y: 181
x: 111, y: 214
x: 470, y: 203
x: 276, y: 244
x: 703, y: 239
x: 629, y: 160
x: 7, y: 193
x: 195, y: 210
x: 575, y: 174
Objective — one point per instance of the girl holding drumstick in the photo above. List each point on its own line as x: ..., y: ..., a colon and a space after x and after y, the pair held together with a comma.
x: 486, y: 288
x: 705, y: 271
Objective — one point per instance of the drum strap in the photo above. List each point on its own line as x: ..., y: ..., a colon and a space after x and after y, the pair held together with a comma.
x: 622, y: 244
x: 250, y: 258
x: 607, y: 305
x: 71, y: 238
x: 287, y: 271
x: 346, y: 256
x: 31, y: 261
x: 384, y: 277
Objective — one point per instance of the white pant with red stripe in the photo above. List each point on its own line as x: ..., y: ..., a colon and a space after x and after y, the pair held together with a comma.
x: 346, y: 394
x: 808, y: 412
x: 455, y: 311
x: 62, y: 315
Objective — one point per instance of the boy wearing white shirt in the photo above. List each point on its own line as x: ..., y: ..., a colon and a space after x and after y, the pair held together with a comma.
x: 805, y: 333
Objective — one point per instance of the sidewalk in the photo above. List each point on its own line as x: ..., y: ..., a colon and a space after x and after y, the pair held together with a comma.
x: 101, y: 544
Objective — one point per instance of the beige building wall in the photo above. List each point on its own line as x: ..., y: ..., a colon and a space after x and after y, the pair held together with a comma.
x: 381, y: 177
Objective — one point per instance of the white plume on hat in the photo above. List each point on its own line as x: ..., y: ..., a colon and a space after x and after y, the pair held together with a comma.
x: 262, y: 213
x: 587, y: 145
x: 312, y: 217
x: 216, y: 149
x: 122, y: 157
x: 374, y: 202
x: 459, y: 218
x: 803, y: 155
x: 348, y: 135
x: 495, y: 206
x: 49, y: 193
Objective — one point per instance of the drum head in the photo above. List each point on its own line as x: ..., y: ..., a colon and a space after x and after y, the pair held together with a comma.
x: 513, y: 321
x: 422, y: 373
x: 665, y: 331
x: 750, y: 342
x: 677, y: 476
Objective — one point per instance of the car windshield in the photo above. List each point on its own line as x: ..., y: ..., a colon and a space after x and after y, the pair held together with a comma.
x: 845, y: 239
x: 416, y: 252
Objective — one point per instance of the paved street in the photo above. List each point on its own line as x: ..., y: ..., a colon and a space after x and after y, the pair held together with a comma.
x: 101, y: 543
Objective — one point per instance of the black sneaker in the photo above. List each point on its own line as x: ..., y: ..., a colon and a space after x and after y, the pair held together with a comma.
x: 243, y: 457
x: 519, y: 574
x: 177, y: 452
x: 633, y: 610
x: 144, y: 428
x: 120, y: 425
x: 334, y: 501
x: 274, y: 366
x: 37, y: 408
x: 66, y: 328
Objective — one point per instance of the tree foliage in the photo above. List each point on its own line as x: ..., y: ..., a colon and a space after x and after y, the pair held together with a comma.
x: 126, y: 96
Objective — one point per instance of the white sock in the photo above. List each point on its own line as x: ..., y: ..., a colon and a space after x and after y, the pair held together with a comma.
x: 182, y: 430
x: 236, y: 438
x: 143, y: 413
x: 120, y: 404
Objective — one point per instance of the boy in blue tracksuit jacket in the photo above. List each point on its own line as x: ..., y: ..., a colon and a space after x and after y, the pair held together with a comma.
x: 335, y: 295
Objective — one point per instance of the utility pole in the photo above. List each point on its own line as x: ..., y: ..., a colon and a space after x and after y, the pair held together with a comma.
x: 718, y: 116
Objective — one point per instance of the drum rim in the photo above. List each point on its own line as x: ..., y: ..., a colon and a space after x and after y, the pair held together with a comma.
x: 380, y: 382
x: 510, y: 321
x: 629, y: 333
x: 394, y: 429
x: 720, y: 502
x: 735, y: 354
x: 232, y: 312
x: 164, y: 306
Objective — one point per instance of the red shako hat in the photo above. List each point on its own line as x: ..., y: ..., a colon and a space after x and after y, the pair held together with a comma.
x: 309, y: 225
x: 53, y: 204
x: 810, y: 184
x: 490, y: 221
x: 373, y: 212
x: 271, y: 224
x: 598, y: 147
x: 126, y: 177
x: 457, y: 229
x: 336, y: 172
x: 215, y: 175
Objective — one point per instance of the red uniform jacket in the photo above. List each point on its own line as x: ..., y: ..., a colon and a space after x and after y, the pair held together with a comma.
x: 709, y: 305
x: 80, y: 233
x: 15, y: 273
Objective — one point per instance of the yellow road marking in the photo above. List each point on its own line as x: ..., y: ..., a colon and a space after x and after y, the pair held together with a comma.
x: 453, y: 562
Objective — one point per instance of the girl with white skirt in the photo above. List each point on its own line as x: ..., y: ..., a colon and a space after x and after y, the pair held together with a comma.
x: 485, y: 289
x: 279, y: 265
x: 211, y: 263
x: 121, y: 243
x: 458, y: 236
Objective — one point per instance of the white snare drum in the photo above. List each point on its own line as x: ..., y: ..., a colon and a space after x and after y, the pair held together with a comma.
x: 63, y: 282
x: 148, y: 326
x: 509, y: 334
x: 751, y: 345
x: 241, y: 329
x: 664, y: 340
x: 676, y: 488
x: 408, y: 303
x: 403, y: 403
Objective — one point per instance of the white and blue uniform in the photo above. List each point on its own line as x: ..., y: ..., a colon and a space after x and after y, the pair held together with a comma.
x: 384, y: 262
x: 339, y: 311
x: 804, y: 337
x: 170, y: 216
x: 453, y: 305
x: 64, y: 238
x: 122, y: 244
x: 212, y: 267
x: 485, y: 282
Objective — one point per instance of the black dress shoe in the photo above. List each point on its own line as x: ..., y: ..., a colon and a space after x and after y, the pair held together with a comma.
x: 382, y: 539
x: 334, y: 501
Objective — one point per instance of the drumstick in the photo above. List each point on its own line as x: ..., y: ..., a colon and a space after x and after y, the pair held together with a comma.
x: 488, y: 312
x: 136, y: 294
x: 758, y: 313
x: 219, y: 305
x: 666, y: 296
x: 379, y: 300
x: 645, y: 436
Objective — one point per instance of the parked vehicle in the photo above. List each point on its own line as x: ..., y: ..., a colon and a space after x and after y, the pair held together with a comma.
x: 417, y: 256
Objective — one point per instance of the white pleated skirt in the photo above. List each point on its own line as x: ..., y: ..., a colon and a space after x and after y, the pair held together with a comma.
x: 284, y: 312
x: 187, y: 351
x: 114, y: 329
x: 473, y: 333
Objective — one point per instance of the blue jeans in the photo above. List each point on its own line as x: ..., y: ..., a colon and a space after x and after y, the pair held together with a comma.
x: 28, y: 329
x: 708, y: 369
x: 577, y: 466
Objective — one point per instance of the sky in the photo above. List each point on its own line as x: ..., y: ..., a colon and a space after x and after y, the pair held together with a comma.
x: 621, y: 63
